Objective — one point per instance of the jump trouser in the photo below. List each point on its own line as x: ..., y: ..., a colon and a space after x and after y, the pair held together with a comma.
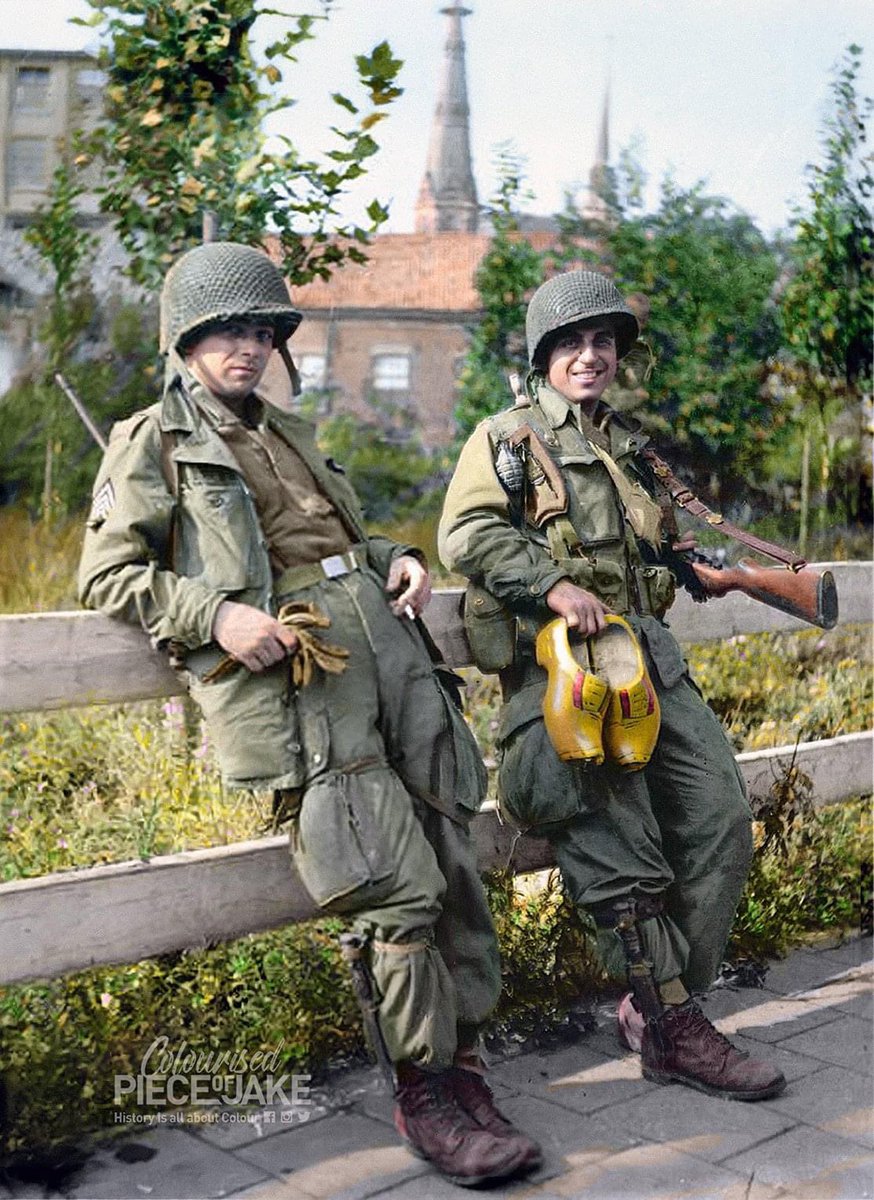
x: 381, y: 834
x: 679, y: 829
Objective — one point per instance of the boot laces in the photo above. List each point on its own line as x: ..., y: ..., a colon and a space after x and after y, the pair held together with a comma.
x: 696, y: 1025
x: 434, y: 1097
x: 475, y: 1097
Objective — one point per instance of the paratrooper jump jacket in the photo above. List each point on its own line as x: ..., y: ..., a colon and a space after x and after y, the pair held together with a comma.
x: 680, y: 828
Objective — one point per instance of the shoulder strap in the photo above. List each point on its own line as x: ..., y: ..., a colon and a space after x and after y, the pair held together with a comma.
x: 696, y: 508
x: 643, y: 513
x: 169, y: 466
x: 170, y: 471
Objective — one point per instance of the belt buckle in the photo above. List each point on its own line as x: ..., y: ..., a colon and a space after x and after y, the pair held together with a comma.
x: 335, y: 565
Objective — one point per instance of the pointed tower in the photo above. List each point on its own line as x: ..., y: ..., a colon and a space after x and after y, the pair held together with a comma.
x: 447, y: 196
x: 594, y: 207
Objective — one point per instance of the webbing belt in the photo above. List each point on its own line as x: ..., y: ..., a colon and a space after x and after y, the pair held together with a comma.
x: 293, y: 579
x: 696, y: 508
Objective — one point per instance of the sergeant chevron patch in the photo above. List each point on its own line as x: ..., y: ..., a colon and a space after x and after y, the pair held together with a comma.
x: 104, y: 499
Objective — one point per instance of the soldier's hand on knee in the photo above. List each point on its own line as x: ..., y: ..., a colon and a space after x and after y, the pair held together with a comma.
x: 251, y: 636
x: 581, y: 609
x: 408, y: 585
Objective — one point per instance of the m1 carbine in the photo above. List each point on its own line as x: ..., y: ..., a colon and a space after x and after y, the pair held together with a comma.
x: 803, y: 593
x: 793, y: 588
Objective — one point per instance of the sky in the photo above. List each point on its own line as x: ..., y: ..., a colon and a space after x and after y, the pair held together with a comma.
x: 729, y: 92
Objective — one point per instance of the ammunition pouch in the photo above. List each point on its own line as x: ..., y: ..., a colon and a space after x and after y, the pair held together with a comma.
x: 490, y: 628
x: 602, y: 576
x: 656, y: 589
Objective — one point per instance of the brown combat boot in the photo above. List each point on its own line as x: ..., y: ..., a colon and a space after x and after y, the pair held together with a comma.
x: 683, y: 1046
x: 475, y: 1097
x: 436, y: 1128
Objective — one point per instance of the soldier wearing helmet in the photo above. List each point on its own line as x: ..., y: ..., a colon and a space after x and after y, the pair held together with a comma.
x: 556, y: 519
x: 218, y: 526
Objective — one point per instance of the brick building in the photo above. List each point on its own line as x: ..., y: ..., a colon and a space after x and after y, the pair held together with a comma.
x: 386, y: 340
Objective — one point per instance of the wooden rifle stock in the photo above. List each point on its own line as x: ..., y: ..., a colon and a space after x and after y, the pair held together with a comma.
x: 809, y: 595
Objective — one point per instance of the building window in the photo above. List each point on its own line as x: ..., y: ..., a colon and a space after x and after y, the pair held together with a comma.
x: 89, y: 79
x: 89, y: 87
x: 390, y: 372
x: 26, y: 164
x: 32, y: 88
x: 312, y: 370
x: 315, y: 395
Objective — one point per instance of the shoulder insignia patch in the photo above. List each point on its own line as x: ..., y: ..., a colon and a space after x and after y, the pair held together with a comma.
x: 103, y: 501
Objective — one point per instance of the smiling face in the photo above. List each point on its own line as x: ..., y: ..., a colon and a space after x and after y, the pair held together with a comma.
x: 582, y: 362
x: 231, y: 359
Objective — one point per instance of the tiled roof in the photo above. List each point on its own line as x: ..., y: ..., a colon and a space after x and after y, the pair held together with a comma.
x: 421, y: 271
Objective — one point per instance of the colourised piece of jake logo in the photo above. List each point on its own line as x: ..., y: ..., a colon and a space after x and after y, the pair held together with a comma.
x: 599, y: 701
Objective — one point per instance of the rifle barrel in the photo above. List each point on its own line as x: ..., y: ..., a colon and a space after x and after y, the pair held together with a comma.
x: 81, y: 410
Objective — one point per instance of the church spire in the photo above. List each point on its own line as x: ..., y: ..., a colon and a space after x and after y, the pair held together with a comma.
x: 447, y: 196
x: 596, y: 207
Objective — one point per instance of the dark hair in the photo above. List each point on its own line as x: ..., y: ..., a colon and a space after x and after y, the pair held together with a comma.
x: 550, y: 340
x: 193, y: 336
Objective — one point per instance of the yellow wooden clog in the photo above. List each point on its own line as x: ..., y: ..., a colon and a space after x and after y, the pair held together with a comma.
x: 576, y: 699
x: 631, y: 723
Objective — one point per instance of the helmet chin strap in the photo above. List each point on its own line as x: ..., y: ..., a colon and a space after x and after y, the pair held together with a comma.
x: 293, y: 373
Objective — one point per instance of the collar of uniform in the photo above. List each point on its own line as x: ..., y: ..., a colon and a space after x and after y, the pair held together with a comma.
x: 554, y: 406
x: 219, y: 415
x: 626, y: 436
x: 624, y: 433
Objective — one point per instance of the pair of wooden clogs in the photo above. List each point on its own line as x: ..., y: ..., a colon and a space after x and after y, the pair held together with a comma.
x: 600, y: 702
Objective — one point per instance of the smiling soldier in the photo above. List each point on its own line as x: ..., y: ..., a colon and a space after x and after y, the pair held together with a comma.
x: 552, y: 515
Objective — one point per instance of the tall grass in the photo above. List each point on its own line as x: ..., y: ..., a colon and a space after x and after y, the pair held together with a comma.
x: 37, y: 562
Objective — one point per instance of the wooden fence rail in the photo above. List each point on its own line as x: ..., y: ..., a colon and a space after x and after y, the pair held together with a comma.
x: 129, y: 911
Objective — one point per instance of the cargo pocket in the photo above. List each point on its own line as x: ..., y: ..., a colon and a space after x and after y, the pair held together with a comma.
x: 490, y: 629
x: 471, y: 779
x: 536, y: 790
x: 656, y: 587
x: 337, y: 844
x: 252, y: 723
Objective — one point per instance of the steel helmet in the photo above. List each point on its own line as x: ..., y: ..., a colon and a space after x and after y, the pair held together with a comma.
x: 577, y: 296
x: 220, y: 281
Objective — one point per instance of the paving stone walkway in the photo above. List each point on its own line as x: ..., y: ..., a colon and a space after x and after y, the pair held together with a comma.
x: 607, y: 1133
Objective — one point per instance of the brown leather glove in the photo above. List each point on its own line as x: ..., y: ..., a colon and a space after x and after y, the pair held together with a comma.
x: 310, y: 652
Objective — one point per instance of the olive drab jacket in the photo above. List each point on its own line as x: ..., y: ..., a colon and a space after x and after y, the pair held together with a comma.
x: 173, y: 532
x: 563, y: 518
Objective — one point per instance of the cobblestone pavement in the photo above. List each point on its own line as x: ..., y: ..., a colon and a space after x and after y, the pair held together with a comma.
x: 607, y: 1133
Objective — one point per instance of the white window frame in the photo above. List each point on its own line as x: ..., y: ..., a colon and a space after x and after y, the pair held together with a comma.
x: 24, y: 95
x: 25, y: 180
x: 391, y: 371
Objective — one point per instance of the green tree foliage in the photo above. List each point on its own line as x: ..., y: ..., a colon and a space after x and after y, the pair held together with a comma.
x: 113, y: 373
x: 827, y: 306
x: 186, y: 102
x: 393, y: 475
x: 39, y: 428
x: 509, y: 270
x: 705, y: 276
x: 67, y: 250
